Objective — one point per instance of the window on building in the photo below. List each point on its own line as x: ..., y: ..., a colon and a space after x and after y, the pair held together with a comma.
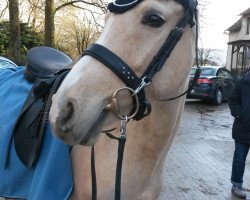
x: 248, y: 25
x: 240, y: 57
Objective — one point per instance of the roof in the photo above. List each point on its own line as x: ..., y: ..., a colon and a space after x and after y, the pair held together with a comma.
x: 236, y: 26
x: 246, y: 12
x: 240, y: 42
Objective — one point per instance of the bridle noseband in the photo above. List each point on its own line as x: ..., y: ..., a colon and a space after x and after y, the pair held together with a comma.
x: 123, y: 71
x: 126, y: 74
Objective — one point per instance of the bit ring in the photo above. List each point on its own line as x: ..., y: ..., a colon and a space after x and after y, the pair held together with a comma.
x: 114, y: 105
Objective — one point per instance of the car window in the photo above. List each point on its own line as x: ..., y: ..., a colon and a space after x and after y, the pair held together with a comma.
x: 225, y: 74
x: 204, y: 71
x: 208, y: 72
x: 192, y: 71
x: 221, y: 73
x: 5, y: 64
x: 228, y: 75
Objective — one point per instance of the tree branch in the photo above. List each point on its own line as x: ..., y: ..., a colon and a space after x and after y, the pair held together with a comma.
x: 35, y: 5
x: 5, y: 8
x: 95, y: 4
x: 92, y: 14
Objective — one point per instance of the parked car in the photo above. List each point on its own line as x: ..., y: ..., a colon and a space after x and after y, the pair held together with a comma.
x: 214, y: 84
x: 6, y: 63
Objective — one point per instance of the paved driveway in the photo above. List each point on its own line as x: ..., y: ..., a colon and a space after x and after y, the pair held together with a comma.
x: 199, y: 162
x: 198, y: 166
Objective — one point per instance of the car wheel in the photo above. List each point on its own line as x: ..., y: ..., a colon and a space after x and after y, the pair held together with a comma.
x: 218, y: 97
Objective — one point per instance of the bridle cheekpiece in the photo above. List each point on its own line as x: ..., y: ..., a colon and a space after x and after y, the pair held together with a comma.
x: 124, y: 72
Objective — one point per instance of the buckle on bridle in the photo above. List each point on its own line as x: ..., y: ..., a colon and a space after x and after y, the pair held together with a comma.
x: 144, y: 82
x: 123, y: 124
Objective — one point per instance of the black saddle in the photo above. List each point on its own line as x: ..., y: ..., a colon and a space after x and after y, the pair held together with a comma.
x: 44, y: 63
x: 46, y: 68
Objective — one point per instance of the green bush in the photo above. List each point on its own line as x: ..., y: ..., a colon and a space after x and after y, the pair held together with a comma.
x: 29, y: 39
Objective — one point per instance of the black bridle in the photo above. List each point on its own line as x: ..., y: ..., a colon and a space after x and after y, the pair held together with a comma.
x: 126, y: 74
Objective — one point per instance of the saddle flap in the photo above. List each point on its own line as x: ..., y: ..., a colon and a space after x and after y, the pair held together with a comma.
x: 27, y: 137
x: 44, y: 62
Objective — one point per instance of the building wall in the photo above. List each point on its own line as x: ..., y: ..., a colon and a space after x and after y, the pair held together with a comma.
x: 241, y: 34
x: 237, y: 36
x: 229, y: 53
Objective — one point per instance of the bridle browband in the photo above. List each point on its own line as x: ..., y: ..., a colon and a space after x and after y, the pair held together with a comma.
x: 126, y: 74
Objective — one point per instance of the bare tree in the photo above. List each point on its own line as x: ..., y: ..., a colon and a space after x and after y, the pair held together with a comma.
x: 209, y: 57
x: 79, y: 29
x: 15, y: 38
x: 49, y: 32
x: 83, y: 35
x: 51, y: 9
x: 202, y: 7
x: 202, y: 17
x: 4, y: 9
x: 36, y: 13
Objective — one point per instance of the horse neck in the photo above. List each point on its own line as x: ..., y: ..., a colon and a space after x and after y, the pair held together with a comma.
x: 156, y: 131
x: 148, y: 141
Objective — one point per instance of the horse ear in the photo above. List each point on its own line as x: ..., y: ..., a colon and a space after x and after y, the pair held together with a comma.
x: 121, y: 6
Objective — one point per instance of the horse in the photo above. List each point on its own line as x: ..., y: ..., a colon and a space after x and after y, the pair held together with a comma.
x: 111, y: 87
x: 80, y: 112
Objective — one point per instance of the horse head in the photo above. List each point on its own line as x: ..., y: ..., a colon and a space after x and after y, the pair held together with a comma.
x: 134, y: 31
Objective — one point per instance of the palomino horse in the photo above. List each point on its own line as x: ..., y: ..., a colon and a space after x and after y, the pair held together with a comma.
x: 134, y: 31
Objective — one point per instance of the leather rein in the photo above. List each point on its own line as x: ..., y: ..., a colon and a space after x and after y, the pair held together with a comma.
x: 136, y: 86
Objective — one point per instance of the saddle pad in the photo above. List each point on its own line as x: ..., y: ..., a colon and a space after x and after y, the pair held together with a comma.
x: 51, y: 177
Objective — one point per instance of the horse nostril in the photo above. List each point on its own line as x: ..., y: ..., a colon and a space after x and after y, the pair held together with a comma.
x: 66, y: 118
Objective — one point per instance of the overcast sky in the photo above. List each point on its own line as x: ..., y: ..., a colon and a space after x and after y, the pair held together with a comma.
x: 220, y: 15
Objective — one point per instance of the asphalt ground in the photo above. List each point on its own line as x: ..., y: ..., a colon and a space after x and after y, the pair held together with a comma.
x: 198, y: 166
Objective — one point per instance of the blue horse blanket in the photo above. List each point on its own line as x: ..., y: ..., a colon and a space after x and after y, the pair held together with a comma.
x: 51, y: 177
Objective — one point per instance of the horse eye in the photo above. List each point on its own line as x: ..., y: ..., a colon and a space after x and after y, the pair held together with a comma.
x: 153, y: 20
